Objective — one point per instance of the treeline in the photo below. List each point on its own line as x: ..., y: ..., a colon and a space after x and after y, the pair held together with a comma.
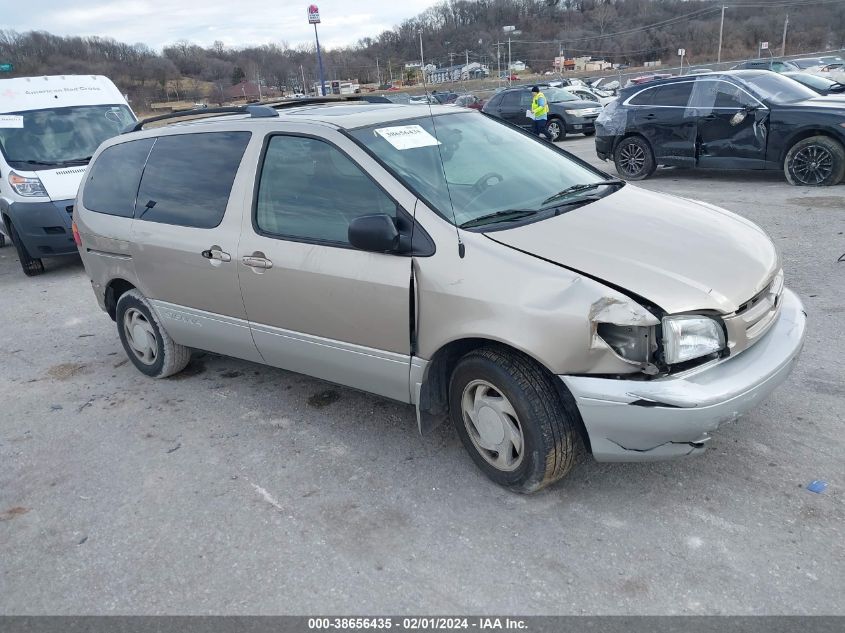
x: 623, y: 31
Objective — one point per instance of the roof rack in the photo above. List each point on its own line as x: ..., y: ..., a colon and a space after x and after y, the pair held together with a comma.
x: 255, y: 111
x: 293, y: 103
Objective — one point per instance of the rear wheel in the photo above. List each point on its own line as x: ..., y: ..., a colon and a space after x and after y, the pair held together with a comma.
x: 511, y: 419
x: 31, y: 266
x: 146, y: 343
x: 555, y: 130
x: 815, y: 161
x: 634, y: 159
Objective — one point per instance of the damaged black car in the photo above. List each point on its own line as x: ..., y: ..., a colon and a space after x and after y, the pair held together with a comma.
x: 742, y: 119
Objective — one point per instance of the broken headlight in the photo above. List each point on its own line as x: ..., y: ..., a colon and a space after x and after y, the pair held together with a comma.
x: 688, y: 337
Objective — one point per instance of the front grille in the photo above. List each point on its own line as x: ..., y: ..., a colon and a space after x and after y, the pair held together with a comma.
x: 754, y: 317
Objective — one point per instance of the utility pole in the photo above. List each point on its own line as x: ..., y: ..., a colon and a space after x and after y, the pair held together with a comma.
x: 499, y: 61
x: 378, y: 73
x: 304, y: 87
x: 509, y: 60
x: 422, y: 60
x: 721, y: 28
x: 783, y: 42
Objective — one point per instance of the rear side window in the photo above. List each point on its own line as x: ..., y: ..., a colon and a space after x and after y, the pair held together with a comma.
x: 189, y: 177
x: 642, y: 98
x: 510, y: 100
x: 674, y: 94
x: 112, y: 183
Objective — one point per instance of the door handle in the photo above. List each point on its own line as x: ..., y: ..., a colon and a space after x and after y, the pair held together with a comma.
x: 257, y: 262
x: 710, y: 117
x: 215, y: 253
x: 649, y: 117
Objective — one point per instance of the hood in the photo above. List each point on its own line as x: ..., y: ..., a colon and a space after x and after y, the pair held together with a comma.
x: 578, y: 104
x: 61, y: 184
x: 835, y: 104
x: 680, y: 254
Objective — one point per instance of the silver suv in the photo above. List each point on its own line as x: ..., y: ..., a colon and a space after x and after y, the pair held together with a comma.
x: 444, y: 259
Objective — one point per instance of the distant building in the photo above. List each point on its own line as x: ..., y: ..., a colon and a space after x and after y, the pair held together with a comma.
x: 518, y: 66
x: 245, y: 91
x: 336, y: 87
x: 589, y: 64
x: 653, y: 64
x: 460, y: 72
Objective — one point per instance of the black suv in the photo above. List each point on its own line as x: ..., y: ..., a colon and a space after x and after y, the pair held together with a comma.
x: 742, y: 119
x: 776, y: 65
x: 567, y: 113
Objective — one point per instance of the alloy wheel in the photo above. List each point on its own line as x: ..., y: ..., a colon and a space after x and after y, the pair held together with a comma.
x: 631, y: 159
x: 553, y: 129
x: 811, y: 165
x: 493, y: 425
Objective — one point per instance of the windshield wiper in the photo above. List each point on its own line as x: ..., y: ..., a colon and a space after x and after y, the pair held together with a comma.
x: 84, y: 159
x: 507, y: 215
x: 582, y: 187
x: 35, y: 162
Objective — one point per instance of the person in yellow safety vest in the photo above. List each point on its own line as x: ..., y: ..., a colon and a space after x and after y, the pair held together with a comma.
x: 540, y: 110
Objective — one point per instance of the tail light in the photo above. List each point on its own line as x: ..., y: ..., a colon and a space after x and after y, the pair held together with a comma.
x: 75, y: 230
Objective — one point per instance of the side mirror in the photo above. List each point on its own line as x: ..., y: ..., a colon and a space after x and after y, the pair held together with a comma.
x: 374, y: 233
x: 739, y: 117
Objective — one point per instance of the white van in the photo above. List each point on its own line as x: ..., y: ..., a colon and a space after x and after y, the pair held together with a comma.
x: 49, y: 129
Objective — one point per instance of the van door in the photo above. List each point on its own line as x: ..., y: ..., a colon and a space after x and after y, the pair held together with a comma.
x: 732, y: 126
x: 185, y: 239
x: 660, y: 115
x: 317, y: 305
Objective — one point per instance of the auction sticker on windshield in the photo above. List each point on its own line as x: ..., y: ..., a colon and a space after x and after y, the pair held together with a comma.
x: 407, y: 136
x: 11, y: 121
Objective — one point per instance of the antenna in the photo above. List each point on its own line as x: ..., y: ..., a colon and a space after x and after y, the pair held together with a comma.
x: 461, y: 247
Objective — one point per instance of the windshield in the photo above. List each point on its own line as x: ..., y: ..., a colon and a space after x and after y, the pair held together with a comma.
x: 59, y: 136
x: 489, y: 166
x: 556, y: 95
x: 815, y: 81
x: 778, y: 89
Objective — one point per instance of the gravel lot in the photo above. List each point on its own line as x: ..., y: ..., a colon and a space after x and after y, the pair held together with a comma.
x: 237, y: 488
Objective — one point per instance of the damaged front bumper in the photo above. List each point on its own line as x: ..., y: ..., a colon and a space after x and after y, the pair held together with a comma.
x: 632, y: 420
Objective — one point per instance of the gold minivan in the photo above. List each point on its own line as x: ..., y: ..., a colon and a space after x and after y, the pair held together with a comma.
x: 442, y: 258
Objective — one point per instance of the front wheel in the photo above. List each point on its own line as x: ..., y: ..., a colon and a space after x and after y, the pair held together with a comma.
x: 634, y: 159
x: 555, y: 130
x: 511, y: 419
x: 31, y: 266
x: 815, y: 161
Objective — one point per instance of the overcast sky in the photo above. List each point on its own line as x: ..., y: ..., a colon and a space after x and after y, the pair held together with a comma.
x: 234, y: 22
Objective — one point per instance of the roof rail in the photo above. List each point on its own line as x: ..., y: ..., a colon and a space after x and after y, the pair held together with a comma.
x: 293, y: 103
x: 255, y: 111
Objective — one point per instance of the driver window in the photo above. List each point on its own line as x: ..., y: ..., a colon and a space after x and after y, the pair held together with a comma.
x: 709, y: 94
x: 310, y: 190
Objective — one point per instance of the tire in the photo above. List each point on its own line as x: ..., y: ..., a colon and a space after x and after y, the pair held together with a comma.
x: 817, y: 161
x: 590, y: 133
x: 501, y: 398
x: 32, y: 266
x: 634, y: 159
x: 139, y: 329
x: 555, y: 130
